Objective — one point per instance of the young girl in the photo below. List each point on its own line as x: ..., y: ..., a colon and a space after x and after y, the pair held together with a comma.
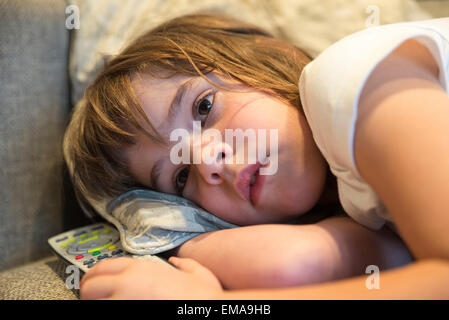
x: 372, y: 115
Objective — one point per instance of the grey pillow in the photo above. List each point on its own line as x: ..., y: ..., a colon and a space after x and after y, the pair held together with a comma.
x: 151, y: 222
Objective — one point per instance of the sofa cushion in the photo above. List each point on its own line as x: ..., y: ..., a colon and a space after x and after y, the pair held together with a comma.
x: 34, y: 110
x: 41, y: 280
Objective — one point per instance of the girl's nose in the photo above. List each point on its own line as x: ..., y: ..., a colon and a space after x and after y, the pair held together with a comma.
x: 212, y: 164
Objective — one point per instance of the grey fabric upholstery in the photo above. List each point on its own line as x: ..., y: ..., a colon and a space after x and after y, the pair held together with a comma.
x: 36, y: 198
x: 34, y: 107
x: 43, y: 279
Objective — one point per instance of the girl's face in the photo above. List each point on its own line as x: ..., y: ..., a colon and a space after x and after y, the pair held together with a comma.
x: 219, y: 187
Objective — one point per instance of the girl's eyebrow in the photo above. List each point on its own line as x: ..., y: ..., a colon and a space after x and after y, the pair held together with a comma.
x: 175, y: 105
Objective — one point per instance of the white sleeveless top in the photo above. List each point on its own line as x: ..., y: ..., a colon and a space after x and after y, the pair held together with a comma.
x: 330, y: 87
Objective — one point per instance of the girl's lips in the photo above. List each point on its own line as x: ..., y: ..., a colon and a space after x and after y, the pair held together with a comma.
x: 242, y: 185
x: 256, y: 189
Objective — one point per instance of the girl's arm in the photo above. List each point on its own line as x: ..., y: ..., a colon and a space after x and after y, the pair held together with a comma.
x: 266, y: 256
x: 261, y: 256
x: 426, y: 279
x: 402, y: 147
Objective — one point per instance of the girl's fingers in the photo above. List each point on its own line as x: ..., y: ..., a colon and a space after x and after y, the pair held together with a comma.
x: 107, y: 267
x: 193, y: 267
x: 188, y: 265
x: 185, y: 264
x: 99, y: 287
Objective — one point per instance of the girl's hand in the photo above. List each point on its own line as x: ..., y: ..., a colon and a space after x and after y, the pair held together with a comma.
x: 129, y: 278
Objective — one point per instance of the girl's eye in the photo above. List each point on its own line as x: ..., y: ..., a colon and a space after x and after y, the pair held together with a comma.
x: 204, y: 106
x: 181, y: 179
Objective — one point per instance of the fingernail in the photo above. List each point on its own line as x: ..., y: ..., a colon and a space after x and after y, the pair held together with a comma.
x: 173, y: 259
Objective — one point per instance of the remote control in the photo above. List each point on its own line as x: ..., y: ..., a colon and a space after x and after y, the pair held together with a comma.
x: 86, y: 246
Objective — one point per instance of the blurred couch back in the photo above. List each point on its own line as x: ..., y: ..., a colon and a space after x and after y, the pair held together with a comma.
x: 36, y: 199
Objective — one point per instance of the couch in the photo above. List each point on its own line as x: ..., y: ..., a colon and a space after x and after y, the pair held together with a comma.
x: 36, y: 195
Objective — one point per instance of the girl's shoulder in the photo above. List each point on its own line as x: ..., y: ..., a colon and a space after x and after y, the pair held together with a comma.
x: 330, y: 89
x: 330, y: 86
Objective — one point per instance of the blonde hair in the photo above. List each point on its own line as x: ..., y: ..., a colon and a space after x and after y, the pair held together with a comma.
x: 107, y: 121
